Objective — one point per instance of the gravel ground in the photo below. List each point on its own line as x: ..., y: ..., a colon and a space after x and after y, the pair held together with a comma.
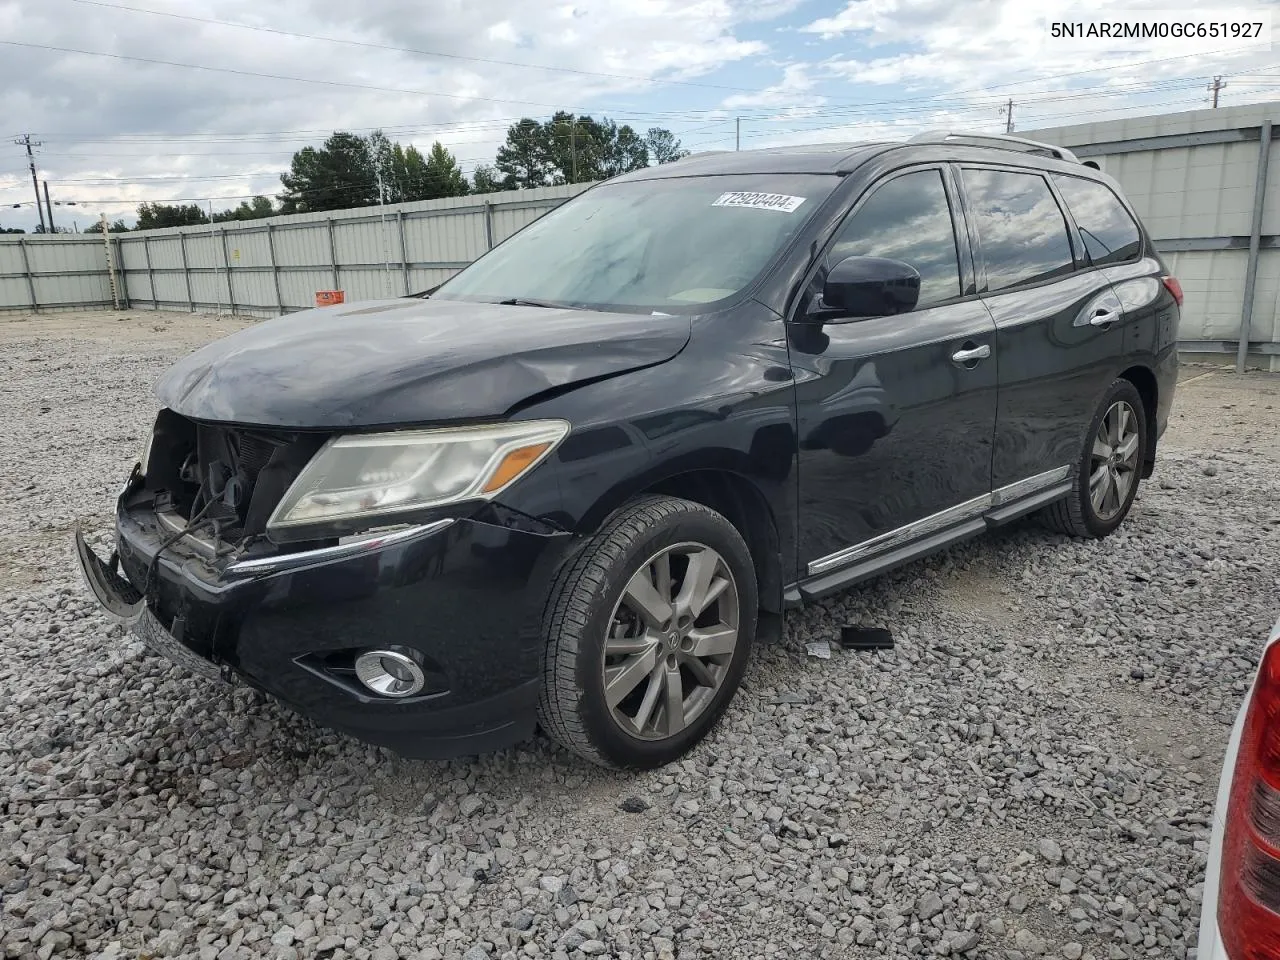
x: 1030, y: 771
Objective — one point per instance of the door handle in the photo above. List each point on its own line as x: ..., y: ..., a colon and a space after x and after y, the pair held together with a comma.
x: 971, y: 354
x: 1102, y: 317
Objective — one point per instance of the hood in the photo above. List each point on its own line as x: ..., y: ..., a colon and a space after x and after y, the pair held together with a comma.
x: 409, y: 361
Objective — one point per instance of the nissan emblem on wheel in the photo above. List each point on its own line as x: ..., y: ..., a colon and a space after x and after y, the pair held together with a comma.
x: 564, y: 489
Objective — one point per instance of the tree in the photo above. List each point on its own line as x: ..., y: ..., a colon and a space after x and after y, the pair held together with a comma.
x: 443, y: 176
x: 335, y: 176
x: 153, y: 215
x: 12, y: 230
x: 256, y: 209
x: 576, y: 149
x: 621, y: 150
x: 663, y: 146
x: 524, y: 159
x: 484, y: 179
x: 116, y: 226
x: 404, y: 172
x: 408, y: 175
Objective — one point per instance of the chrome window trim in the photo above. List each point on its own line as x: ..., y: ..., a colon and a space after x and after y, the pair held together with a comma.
x: 937, y: 521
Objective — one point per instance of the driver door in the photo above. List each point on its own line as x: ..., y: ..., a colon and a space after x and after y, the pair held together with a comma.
x: 896, y: 414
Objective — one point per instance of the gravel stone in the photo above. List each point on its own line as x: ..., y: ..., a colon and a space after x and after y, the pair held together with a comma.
x: 928, y: 906
x: 1050, y: 850
x: 888, y: 804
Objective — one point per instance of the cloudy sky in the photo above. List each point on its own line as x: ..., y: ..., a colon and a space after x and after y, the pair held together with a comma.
x: 169, y: 100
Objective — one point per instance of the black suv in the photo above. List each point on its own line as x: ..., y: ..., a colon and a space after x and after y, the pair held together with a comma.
x: 566, y: 486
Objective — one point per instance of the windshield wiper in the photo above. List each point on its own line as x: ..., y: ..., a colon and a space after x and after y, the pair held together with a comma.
x: 528, y: 302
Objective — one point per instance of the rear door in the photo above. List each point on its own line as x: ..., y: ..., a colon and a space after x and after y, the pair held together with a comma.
x: 895, y: 413
x: 1114, y: 244
x: 1058, y: 333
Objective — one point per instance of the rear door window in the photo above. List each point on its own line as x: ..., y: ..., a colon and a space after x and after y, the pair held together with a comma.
x: 908, y: 219
x: 1109, y: 234
x: 1021, y: 229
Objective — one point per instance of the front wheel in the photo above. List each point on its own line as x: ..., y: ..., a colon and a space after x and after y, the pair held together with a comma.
x: 648, y: 630
x: 1110, y: 466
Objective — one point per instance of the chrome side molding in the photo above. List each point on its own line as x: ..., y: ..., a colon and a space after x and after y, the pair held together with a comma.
x: 937, y: 521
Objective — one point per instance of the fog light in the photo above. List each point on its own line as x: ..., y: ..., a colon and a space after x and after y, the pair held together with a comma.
x: 389, y: 673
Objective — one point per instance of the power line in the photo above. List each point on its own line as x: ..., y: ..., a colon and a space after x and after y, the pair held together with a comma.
x: 864, y: 105
x: 271, y: 76
x: 772, y: 116
x: 411, y: 50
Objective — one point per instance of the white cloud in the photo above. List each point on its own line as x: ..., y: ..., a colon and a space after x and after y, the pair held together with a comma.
x: 794, y: 91
x: 76, y: 102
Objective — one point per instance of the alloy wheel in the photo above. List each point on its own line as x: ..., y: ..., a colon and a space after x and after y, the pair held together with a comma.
x: 672, y: 637
x: 1113, y: 467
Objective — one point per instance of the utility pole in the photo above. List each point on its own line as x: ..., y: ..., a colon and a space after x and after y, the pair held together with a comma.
x: 1214, y: 87
x: 25, y: 141
x: 48, y: 206
x: 111, y: 270
x: 737, y: 133
x: 213, y: 259
x: 573, y: 148
x: 1008, y: 116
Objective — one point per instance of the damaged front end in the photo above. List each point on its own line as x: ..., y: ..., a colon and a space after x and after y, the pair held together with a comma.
x: 201, y: 574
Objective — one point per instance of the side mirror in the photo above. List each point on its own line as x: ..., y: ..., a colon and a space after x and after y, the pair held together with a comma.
x: 871, y: 287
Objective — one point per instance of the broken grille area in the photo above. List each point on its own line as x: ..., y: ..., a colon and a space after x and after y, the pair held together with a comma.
x: 232, y: 478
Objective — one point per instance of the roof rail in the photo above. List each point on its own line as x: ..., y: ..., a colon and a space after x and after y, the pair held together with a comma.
x: 997, y: 141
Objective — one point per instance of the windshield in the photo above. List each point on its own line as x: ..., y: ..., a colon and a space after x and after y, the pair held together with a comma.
x: 669, y: 245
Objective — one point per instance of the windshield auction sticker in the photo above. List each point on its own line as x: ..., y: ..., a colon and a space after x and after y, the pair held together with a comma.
x: 759, y: 201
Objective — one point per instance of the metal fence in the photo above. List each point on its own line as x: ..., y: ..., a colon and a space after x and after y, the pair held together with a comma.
x: 271, y: 266
x: 53, y: 273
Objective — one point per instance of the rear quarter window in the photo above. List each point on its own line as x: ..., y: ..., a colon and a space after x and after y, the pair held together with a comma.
x: 1021, y: 228
x: 1108, y: 232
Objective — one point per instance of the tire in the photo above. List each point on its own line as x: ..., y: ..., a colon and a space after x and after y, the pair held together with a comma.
x: 1080, y: 514
x: 587, y: 704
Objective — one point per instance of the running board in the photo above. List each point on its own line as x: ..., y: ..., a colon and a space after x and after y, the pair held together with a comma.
x: 1020, y: 508
x: 795, y: 595
x: 818, y: 587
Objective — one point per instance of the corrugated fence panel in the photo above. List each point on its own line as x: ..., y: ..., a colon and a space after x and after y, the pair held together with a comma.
x: 14, y: 293
x: 11, y: 257
x: 298, y: 287
x: 1213, y: 282
x: 133, y: 261
x: 506, y: 222
x: 455, y: 238
x: 302, y: 246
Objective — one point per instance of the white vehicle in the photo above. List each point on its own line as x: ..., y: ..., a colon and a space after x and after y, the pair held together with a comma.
x: 1240, y: 917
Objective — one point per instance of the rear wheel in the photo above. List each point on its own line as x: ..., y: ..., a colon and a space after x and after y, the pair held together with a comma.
x: 1110, y: 467
x: 648, y: 633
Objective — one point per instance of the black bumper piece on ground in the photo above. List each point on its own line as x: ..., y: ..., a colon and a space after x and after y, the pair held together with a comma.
x: 465, y: 596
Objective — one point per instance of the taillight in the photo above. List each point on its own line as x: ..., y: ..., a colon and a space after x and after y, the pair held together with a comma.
x: 1174, y: 287
x: 1249, y: 894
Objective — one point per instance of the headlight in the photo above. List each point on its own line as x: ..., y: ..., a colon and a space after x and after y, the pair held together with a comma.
x: 375, y: 474
x: 145, y: 455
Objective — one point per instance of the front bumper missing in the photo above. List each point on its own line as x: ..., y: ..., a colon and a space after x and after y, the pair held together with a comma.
x: 123, y: 602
